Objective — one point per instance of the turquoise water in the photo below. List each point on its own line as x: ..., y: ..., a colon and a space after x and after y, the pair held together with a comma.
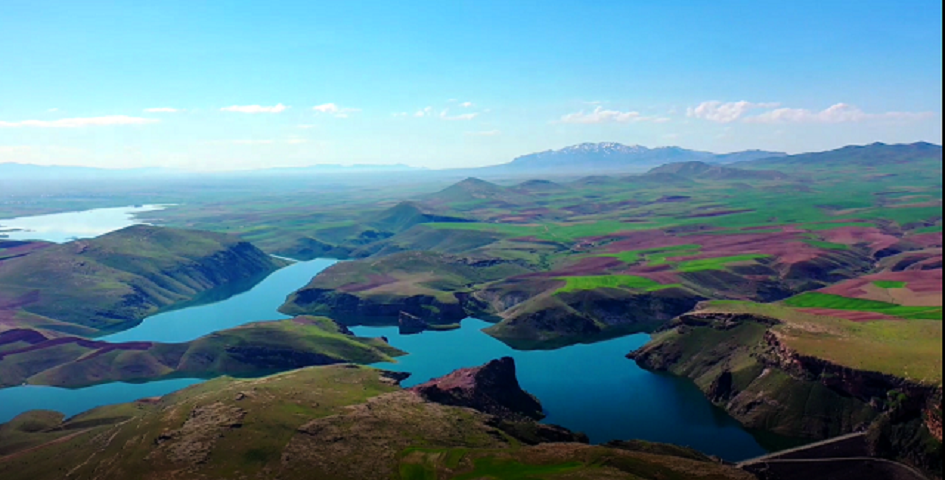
x: 258, y: 304
x: 63, y: 227
x: 14, y: 401
x: 594, y: 388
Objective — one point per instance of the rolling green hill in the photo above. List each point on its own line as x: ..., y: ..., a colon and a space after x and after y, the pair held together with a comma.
x: 251, y: 350
x: 109, y: 283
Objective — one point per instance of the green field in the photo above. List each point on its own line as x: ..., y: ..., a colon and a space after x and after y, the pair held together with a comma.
x: 889, y: 284
x: 610, y: 281
x: 716, y: 263
x: 836, y: 302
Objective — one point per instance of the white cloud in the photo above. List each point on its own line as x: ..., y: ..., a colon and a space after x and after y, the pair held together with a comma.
x: 487, y: 133
x: 599, y: 115
x: 279, y: 108
x: 334, y: 109
x: 726, y: 112
x: 445, y: 115
x: 839, y: 113
x: 296, y: 141
x: 466, y: 104
x: 112, y: 120
x: 424, y: 112
x: 161, y: 110
x: 53, y: 110
x: 307, y: 126
x: 252, y: 142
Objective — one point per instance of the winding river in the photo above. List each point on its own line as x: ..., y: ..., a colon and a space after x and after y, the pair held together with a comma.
x: 588, y: 388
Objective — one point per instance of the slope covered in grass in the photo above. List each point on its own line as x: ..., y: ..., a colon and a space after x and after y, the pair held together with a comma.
x: 112, y: 282
x: 326, y: 423
x: 250, y: 350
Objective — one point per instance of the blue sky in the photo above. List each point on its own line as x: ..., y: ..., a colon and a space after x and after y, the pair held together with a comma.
x: 219, y: 85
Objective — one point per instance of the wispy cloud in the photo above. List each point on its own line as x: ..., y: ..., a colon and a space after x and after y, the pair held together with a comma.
x: 253, y: 142
x: 424, y: 112
x: 161, y: 110
x: 600, y: 115
x: 307, y: 126
x: 334, y: 109
x: 279, y: 108
x: 113, y: 120
x: 725, y: 112
x: 839, y: 113
x: 445, y: 115
x: 487, y: 133
x: 51, y: 110
x: 466, y: 104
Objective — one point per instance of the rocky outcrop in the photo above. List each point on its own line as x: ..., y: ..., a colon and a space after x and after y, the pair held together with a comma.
x: 492, y: 388
x: 354, y: 309
x: 411, y: 324
x: 556, y: 320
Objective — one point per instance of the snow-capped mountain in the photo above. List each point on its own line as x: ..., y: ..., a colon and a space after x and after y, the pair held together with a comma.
x: 612, y: 156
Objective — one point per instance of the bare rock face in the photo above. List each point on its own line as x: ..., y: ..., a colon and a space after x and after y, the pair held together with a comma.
x: 411, y: 324
x: 492, y: 388
x: 193, y: 442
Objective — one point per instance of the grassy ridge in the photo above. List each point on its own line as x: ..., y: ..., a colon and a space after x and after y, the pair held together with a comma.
x: 837, y: 302
x: 610, y: 281
x: 911, y: 350
x: 250, y: 350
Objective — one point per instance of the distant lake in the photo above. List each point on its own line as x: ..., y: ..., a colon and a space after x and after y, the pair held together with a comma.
x: 64, y: 227
x: 593, y: 388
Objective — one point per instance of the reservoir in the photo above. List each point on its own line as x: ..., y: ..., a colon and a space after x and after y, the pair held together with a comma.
x: 63, y: 227
x: 589, y: 388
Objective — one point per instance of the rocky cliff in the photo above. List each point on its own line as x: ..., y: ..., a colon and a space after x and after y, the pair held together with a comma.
x: 492, y: 388
x: 743, y: 364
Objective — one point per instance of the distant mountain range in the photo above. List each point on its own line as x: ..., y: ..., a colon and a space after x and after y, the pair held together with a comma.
x: 616, y: 157
x: 874, y: 154
x: 13, y: 171
x: 577, y: 160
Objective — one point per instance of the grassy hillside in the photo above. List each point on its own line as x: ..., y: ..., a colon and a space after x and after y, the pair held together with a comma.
x: 111, y: 282
x: 330, y: 423
x: 251, y: 350
x: 429, y: 285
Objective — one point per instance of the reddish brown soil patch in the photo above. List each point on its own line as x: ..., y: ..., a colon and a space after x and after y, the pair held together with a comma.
x: 588, y: 266
x: 373, y: 281
x: 788, y: 245
x: 919, y: 281
x: 852, y: 316
x: 927, y: 240
x: 20, y: 301
x: 876, y: 239
x: 104, y: 347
